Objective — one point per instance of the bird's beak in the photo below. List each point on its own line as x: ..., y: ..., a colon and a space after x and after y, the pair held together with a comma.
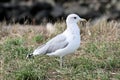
x: 82, y: 20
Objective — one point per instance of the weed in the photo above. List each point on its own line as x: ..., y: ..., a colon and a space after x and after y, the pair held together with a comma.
x: 38, y: 38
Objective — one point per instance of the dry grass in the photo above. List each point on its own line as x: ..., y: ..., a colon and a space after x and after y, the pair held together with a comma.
x: 96, y: 59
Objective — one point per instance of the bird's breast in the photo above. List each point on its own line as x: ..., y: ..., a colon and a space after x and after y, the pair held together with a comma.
x: 74, y: 42
x: 73, y: 38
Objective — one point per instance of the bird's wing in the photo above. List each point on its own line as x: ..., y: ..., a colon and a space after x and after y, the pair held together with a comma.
x: 52, y: 45
x: 56, y: 43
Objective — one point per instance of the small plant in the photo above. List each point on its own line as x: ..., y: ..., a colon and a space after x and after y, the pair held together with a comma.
x: 15, y: 49
x: 38, y: 38
x: 29, y: 73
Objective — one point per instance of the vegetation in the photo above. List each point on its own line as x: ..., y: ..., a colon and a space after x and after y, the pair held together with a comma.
x: 98, y: 57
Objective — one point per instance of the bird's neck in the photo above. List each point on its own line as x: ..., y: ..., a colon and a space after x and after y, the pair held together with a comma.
x: 73, y: 27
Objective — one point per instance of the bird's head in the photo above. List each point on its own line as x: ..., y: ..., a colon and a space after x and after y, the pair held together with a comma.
x: 74, y: 18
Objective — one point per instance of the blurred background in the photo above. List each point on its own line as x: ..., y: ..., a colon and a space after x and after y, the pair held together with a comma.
x: 38, y: 11
x: 27, y: 24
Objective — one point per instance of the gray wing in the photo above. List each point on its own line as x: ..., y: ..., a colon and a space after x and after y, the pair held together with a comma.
x: 54, y: 44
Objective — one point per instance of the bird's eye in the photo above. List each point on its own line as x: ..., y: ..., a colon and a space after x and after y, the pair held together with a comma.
x: 74, y: 17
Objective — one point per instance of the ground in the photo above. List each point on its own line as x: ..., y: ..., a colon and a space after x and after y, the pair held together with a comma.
x: 98, y: 57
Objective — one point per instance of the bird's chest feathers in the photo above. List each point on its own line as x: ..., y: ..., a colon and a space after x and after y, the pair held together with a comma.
x: 75, y: 34
x: 74, y: 41
x: 73, y: 37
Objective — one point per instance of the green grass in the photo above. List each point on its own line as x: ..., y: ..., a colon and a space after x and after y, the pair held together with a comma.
x: 39, y: 38
x: 98, y: 58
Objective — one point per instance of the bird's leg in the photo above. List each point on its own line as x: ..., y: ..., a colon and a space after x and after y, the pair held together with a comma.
x: 61, y: 61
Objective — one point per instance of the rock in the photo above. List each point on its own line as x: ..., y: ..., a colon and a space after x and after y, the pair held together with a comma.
x: 57, y: 11
x: 2, y: 12
x: 118, y: 6
x: 25, y: 18
x: 50, y: 28
x: 41, y: 16
x: 4, y: 1
x: 39, y: 11
x: 37, y: 7
x: 76, y: 8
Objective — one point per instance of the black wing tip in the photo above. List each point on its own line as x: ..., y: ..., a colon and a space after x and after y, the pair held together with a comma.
x: 29, y: 56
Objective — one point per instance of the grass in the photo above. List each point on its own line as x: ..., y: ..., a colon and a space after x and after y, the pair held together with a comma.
x: 98, y: 58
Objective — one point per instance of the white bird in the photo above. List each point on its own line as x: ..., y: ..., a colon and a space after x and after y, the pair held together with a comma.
x: 65, y: 43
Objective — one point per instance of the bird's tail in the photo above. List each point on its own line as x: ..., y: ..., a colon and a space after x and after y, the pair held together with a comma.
x: 29, y: 56
x: 40, y: 50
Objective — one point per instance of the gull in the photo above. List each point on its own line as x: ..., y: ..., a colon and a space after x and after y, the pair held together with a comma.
x: 62, y: 44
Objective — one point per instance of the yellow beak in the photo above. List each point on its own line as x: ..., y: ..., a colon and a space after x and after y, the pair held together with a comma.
x: 83, y: 20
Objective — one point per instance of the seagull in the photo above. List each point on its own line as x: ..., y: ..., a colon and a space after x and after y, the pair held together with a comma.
x: 62, y: 44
